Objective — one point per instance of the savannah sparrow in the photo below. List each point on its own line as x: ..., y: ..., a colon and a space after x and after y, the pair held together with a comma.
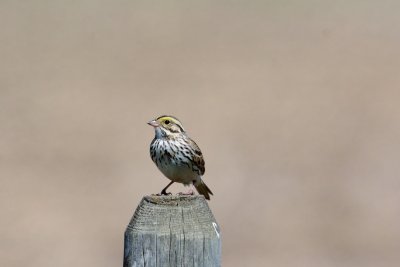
x: 176, y: 155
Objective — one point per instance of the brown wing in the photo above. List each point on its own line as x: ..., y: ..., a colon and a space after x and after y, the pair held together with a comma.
x: 198, y: 160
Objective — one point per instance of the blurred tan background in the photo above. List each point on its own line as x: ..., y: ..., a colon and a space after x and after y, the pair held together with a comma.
x: 295, y: 105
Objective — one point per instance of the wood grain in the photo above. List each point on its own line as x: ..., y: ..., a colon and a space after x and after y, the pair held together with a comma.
x: 172, y: 231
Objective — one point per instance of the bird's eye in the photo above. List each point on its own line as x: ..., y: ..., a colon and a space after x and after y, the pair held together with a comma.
x: 167, y: 122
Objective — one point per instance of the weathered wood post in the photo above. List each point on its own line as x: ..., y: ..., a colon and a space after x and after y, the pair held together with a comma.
x: 172, y: 231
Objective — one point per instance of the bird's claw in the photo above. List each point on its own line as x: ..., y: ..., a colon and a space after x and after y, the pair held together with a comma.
x: 164, y: 194
x: 189, y: 193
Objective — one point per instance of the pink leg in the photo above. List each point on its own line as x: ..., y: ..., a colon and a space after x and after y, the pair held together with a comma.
x: 188, y: 193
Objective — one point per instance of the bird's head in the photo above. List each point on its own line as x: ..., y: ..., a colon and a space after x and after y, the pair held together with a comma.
x: 166, y: 126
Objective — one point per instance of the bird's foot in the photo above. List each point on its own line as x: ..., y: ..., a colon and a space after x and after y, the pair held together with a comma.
x: 188, y: 193
x: 164, y: 193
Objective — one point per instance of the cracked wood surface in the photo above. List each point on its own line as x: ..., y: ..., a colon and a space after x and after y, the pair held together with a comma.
x: 172, y: 231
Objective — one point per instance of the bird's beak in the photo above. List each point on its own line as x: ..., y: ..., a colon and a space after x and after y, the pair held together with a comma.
x: 153, y: 123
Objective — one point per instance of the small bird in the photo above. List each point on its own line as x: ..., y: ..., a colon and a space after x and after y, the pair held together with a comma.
x: 176, y: 155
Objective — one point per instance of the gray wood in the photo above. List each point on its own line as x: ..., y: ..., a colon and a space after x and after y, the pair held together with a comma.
x: 172, y: 231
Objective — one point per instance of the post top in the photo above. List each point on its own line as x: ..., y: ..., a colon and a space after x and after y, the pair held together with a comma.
x: 172, y: 213
x: 173, y: 200
x: 173, y: 230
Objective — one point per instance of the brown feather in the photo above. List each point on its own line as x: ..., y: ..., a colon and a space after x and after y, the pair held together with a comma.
x: 198, y: 159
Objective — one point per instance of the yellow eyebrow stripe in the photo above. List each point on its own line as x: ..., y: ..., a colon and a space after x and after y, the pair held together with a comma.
x: 163, y: 118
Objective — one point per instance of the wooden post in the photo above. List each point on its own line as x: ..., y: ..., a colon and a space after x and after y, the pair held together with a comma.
x: 172, y: 231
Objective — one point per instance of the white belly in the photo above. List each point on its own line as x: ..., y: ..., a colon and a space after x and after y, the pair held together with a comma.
x: 178, y: 173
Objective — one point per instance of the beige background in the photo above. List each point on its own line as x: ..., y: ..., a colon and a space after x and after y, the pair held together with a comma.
x: 295, y: 105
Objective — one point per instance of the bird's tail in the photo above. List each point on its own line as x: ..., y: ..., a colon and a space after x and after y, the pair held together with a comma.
x: 203, y: 189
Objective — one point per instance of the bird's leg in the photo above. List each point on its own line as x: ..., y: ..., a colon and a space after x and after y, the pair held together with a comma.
x: 164, y: 191
x: 190, y: 192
